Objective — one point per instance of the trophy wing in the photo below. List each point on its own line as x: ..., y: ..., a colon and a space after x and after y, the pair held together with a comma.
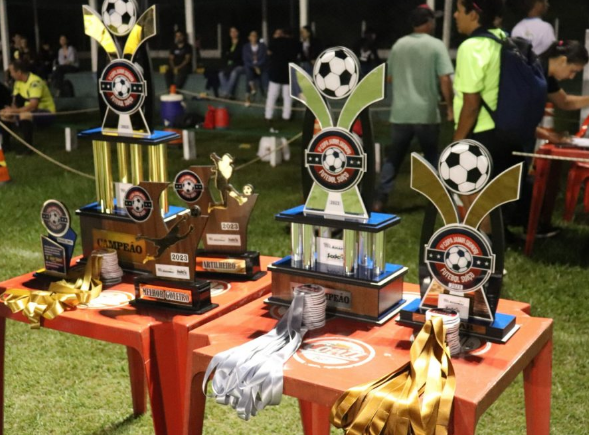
x: 369, y: 91
x: 425, y: 180
x: 309, y: 95
x: 95, y: 28
x: 503, y: 189
x: 144, y: 29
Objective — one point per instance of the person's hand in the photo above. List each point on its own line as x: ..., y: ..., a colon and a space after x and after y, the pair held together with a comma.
x: 450, y: 114
x: 556, y: 137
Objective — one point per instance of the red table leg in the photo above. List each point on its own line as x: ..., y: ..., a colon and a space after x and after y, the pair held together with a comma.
x: 315, y: 418
x: 552, y: 190
x: 465, y: 419
x: 537, y: 389
x: 540, y: 182
x: 196, y: 412
x: 137, y: 377
x: 2, y: 346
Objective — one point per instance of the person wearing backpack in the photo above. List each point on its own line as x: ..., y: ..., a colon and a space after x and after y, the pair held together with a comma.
x: 499, y: 83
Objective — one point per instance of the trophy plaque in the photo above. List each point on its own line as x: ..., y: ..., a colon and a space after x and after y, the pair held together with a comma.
x: 169, y: 254
x: 124, y: 90
x: 58, y: 245
x: 461, y: 268
x: 338, y: 168
x: 225, y: 251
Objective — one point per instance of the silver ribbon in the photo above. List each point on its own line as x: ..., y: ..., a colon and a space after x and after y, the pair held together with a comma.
x: 250, y: 377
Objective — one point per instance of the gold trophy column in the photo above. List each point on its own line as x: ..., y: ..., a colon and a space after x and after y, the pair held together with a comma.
x: 158, y: 170
x: 103, y: 172
x: 123, y: 159
x: 136, y: 164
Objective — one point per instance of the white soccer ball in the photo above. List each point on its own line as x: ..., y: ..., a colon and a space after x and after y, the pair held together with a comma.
x: 458, y: 259
x: 138, y: 204
x: 122, y: 88
x: 188, y: 186
x: 336, y: 72
x: 54, y: 218
x: 119, y: 16
x: 465, y: 167
x: 334, y: 160
x: 248, y: 190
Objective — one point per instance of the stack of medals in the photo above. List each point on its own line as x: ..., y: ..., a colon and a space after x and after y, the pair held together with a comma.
x: 110, y: 272
x: 451, y: 320
x: 315, y: 304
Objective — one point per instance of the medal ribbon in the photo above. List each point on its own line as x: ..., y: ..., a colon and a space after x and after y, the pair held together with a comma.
x: 250, y: 377
x: 415, y: 399
x: 61, y: 295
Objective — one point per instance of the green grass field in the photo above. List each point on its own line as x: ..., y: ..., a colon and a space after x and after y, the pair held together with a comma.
x: 62, y: 384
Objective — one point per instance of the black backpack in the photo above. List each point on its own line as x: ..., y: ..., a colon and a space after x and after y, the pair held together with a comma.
x: 522, y: 89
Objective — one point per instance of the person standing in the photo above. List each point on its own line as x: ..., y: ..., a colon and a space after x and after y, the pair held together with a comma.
x: 367, y: 52
x: 282, y: 50
x: 255, y: 55
x: 180, y: 61
x: 233, y: 64
x: 533, y: 28
x: 67, y: 62
x: 310, y: 49
x: 420, y: 68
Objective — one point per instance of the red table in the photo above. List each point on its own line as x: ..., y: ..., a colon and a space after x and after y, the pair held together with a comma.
x: 155, y: 340
x: 347, y: 353
x: 546, y: 182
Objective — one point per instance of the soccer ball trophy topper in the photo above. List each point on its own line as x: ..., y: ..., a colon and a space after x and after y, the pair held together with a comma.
x: 338, y: 179
x: 460, y: 267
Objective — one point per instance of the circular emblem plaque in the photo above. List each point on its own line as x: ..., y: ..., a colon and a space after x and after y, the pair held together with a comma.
x: 55, y: 218
x: 138, y: 204
x: 188, y: 186
x: 122, y: 87
x: 459, y: 258
x: 334, y: 353
x: 335, y: 159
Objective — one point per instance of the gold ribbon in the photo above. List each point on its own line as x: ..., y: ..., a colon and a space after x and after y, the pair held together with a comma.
x: 416, y: 399
x: 61, y: 295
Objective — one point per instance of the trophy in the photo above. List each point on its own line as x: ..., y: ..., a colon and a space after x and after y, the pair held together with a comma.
x: 170, y: 252
x: 338, y: 179
x: 461, y: 268
x: 125, y: 92
x: 58, y: 246
x: 225, y: 251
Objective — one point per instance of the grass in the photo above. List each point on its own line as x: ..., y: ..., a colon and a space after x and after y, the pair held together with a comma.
x: 63, y: 384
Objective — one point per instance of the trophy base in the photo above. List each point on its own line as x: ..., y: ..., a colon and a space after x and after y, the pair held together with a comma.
x: 244, y: 266
x: 116, y: 231
x: 156, y: 137
x: 187, y: 297
x: 361, y: 297
x: 500, y: 331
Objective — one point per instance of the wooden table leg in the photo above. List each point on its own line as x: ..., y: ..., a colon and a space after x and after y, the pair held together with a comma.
x: 542, y: 173
x: 537, y: 389
x: 137, y: 377
x: 196, y: 412
x: 464, y: 416
x: 315, y: 418
x: 2, y: 347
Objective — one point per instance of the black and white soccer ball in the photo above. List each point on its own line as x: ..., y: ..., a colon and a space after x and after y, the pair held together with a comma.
x: 465, y: 167
x: 248, y: 190
x: 336, y: 72
x: 122, y: 88
x: 188, y: 186
x: 119, y: 16
x: 458, y: 259
x: 138, y: 204
x: 334, y: 160
x: 54, y: 218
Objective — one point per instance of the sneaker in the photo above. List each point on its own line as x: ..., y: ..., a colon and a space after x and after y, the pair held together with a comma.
x: 273, y: 130
x: 544, y: 232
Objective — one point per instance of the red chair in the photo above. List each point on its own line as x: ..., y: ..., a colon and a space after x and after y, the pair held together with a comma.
x: 578, y: 176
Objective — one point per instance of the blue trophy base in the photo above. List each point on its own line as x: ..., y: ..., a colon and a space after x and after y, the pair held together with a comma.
x: 500, y: 331
x: 156, y: 138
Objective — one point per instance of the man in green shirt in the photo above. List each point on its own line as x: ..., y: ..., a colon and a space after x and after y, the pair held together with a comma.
x: 419, y: 67
x: 32, y: 101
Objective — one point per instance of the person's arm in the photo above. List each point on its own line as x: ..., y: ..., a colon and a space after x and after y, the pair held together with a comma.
x: 171, y: 61
x: 564, y: 101
x: 468, y: 115
x: 186, y: 61
x: 448, y: 94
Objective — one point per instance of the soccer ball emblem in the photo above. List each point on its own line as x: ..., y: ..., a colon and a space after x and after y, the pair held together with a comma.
x: 248, y: 189
x: 119, y: 16
x: 334, y: 160
x: 465, y: 167
x: 188, y: 186
x: 336, y: 72
x: 54, y: 218
x: 458, y: 259
x: 121, y: 88
x: 138, y: 204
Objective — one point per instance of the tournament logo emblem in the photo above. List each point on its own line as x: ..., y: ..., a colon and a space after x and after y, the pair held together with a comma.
x: 55, y: 218
x: 334, y: 353
x: 188, y: 186
x: 459, y: 258
x: 335, y: 160
x: 122, y: 87
x: 138, y: 204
